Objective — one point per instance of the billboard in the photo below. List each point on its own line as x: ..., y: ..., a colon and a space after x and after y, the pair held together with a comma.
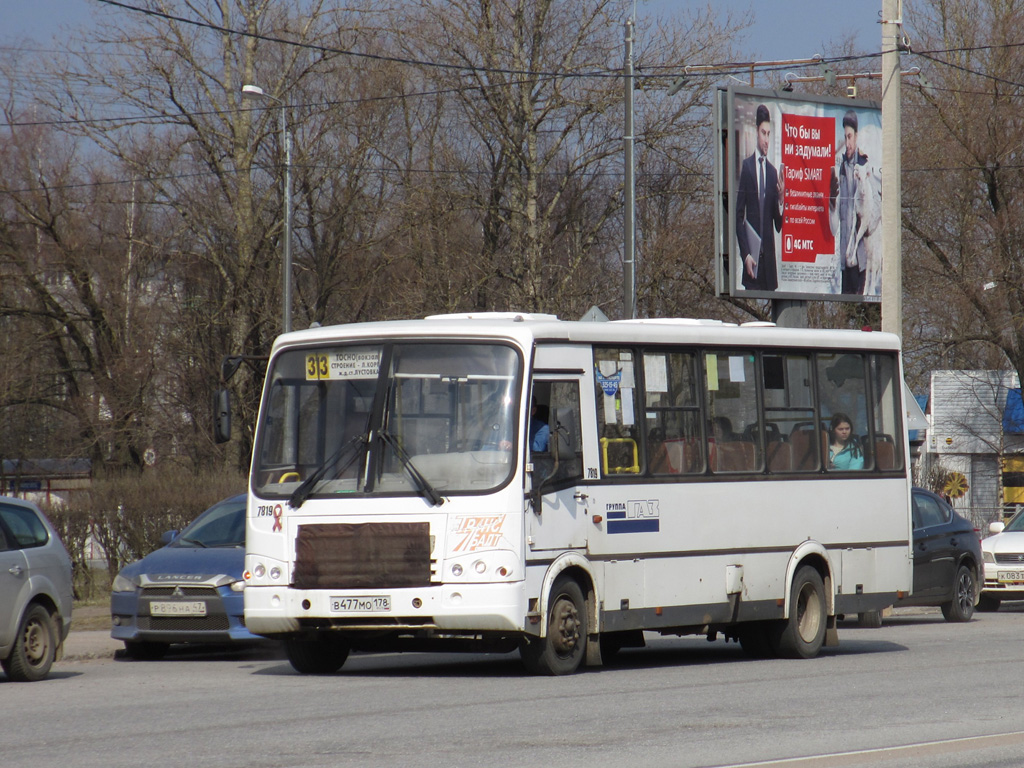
x: 799, y: 179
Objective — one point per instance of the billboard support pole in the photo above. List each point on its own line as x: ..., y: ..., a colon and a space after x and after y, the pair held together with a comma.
x: 892, y: 263
x: 629, y: 186
x: 789, y: 313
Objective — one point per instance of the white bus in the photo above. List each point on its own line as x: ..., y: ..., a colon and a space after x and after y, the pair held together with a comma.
x: 500, y: 481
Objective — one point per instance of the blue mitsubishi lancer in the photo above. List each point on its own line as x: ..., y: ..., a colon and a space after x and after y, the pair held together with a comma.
x: 189, y: 591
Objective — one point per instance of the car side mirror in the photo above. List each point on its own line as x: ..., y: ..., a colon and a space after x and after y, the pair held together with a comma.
x: 168, y: 537
x: 996, y: 527
x: 221, y: 416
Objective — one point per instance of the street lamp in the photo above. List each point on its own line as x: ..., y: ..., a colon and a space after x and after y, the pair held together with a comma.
x: 252, y: 92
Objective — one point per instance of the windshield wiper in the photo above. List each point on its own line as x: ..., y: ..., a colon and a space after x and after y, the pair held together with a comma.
x: 197, y: 542
x: 422, y: 484
x: 307, y: 486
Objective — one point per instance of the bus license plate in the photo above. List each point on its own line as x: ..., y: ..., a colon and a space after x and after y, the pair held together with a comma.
x: 190, y: 608
x: 361, y: 604
x: 1011, y: 577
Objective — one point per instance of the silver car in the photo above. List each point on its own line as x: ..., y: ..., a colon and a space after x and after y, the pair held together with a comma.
x: 35, y: 591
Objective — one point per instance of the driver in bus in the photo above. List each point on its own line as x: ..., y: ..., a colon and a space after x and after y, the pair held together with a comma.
x: 540, y: 432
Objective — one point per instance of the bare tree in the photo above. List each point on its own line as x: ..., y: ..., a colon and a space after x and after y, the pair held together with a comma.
x: 194, y: 142
x: 77, y: 288
x: 963, y: 187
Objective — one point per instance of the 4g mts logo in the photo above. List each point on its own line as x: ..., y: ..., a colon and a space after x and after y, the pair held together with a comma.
x: 792, y: 244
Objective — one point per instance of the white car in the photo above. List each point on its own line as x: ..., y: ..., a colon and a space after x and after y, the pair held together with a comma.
x: 1003, y: 554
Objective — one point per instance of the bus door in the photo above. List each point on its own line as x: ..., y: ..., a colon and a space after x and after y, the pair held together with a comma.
x: 557, y: 512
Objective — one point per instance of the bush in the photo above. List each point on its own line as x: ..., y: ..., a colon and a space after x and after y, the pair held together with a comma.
x: 127, y: 514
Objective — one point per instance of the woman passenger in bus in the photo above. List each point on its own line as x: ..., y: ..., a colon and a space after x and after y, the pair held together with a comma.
x: 843, y: 451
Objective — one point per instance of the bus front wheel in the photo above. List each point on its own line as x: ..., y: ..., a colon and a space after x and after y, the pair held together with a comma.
x: 318, y: 656
x: 564, y: 647
x: 802, y: 634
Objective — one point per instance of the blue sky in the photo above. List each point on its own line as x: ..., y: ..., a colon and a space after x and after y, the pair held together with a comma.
x: 783, y: 29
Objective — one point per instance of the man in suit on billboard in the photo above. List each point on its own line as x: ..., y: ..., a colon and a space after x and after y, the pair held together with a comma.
x: 759, y: 211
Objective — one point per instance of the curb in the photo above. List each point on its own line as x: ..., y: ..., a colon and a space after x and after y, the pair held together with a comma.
x: 89, y: 645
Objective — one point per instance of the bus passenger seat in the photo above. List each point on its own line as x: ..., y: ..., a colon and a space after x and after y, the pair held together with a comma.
x: 734, y: 456
x: 803, y: 448
x: 780, y: 456
x: 885, y: 454
x: 673, y: 451
x: 661, y: 460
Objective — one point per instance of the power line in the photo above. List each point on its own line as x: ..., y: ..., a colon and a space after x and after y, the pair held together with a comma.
x: 970, y: 71
x: 357, y: 54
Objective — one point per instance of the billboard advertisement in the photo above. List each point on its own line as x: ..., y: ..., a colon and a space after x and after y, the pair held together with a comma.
x: 800, y: 180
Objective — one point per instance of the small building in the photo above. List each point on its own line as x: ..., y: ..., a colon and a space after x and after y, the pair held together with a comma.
x: 48, y: 482
x: 977, y: 429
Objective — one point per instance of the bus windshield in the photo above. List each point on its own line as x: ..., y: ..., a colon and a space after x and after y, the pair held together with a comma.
x: 395, y: 418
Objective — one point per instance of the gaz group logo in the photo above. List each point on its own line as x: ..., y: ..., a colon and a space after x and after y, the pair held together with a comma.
x: 471, y: 533
x: 634, y: 516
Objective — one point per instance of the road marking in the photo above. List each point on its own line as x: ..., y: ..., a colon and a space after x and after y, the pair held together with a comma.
x: 857, y: 757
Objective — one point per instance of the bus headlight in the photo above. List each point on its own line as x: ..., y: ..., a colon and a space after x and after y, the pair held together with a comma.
x: 481, y: 567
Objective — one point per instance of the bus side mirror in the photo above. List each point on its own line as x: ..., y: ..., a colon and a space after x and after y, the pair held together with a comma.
x: 221, y: 416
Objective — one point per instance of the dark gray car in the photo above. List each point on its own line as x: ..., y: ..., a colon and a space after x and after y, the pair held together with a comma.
x: 947, y: 561
x: 35, y: 591
x: 947, y: 558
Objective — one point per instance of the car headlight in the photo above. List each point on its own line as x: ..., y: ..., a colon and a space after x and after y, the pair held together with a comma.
x: 122, y: 584
x: 237, y: 586
x: 987, y: 556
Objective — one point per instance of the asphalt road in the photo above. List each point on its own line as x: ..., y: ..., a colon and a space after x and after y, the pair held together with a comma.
x: 917, y: 692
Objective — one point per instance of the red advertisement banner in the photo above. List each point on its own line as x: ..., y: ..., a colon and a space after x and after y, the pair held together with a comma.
x: 808, y: 154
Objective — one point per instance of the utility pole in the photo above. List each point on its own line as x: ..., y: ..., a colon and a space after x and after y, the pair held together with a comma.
x: 254, y: 91
x: 629, y: 184
x: 892, y: 227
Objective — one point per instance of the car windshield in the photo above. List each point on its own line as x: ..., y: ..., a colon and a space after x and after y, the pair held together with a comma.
x: 424, y: 418
x: 223, y: 525
x: 1016, y: 523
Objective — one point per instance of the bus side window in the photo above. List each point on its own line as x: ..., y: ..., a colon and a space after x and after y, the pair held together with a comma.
x: 672, y: 413
x: 733, y: 409
x: 615, y: 382
x: 563, y: 453
x: 886, y: 385
x: 565, y: 441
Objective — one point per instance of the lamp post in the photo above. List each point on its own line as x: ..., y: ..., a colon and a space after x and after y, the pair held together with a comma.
x: 254, y: 91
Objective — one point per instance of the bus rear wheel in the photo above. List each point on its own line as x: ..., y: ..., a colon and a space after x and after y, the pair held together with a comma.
x: 562, y: 650
x: 802, y: 634
x: 317, y: 656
